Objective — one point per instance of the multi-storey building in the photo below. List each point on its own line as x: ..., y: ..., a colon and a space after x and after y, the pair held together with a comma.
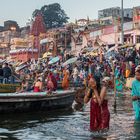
x: 115, y: 12
x: 109, y: 12
x: 57, y: 41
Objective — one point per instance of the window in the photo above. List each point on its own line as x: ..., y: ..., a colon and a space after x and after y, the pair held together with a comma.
x: 79, y: 40
x: 138, y: 38
x: 119, y: 39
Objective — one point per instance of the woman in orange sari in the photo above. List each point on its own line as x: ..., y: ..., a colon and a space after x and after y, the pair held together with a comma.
x: 65, y: 82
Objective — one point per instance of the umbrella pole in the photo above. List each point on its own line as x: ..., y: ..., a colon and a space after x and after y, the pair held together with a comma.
x: 114, y: 81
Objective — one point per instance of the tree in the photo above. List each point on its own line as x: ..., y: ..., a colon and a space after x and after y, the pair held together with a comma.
x: 53, y: 15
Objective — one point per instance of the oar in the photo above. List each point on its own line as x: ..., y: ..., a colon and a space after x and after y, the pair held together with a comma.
x: 17, y: 77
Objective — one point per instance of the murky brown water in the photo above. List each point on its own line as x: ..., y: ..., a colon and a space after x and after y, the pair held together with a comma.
x: 70, y: 125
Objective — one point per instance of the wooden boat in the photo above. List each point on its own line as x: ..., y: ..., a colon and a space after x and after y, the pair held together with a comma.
x: 25, y: 102
x: 8, y: 88
x: 79, y: 92
x: 71, y: 85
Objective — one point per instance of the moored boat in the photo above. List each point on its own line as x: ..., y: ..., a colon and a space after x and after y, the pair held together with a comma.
x: 71, y: 85
x: 25, y: 102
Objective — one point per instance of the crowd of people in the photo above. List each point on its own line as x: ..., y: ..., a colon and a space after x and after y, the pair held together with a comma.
x: 95, y: 73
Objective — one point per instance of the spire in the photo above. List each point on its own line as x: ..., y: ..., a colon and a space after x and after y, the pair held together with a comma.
x: 76, y: 22
x: 88, y: 20
x: 38, y: 25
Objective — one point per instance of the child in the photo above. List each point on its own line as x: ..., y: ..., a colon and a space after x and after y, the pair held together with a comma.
x: 136, y: 94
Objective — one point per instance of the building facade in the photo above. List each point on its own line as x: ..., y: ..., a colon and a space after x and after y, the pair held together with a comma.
x: 115, y: 12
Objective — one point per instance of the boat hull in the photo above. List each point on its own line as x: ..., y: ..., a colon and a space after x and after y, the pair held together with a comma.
x: 22, y: 103
x: 71, y: 85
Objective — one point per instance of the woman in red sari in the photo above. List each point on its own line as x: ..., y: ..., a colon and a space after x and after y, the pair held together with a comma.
x: 99, y: 113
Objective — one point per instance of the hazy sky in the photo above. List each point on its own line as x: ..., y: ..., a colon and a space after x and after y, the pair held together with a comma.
x: 21, y: 10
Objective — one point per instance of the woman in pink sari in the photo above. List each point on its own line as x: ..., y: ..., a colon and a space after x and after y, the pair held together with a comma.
x: 50, y: 85
x: 53, y: 79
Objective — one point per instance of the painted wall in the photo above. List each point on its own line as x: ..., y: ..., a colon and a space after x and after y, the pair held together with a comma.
x: 24, y: 56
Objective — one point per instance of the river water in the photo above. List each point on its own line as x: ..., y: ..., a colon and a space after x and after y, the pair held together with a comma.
x: 70, y: 125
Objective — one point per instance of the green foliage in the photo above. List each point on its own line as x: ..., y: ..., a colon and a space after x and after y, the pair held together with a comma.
x: 53, y: 15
